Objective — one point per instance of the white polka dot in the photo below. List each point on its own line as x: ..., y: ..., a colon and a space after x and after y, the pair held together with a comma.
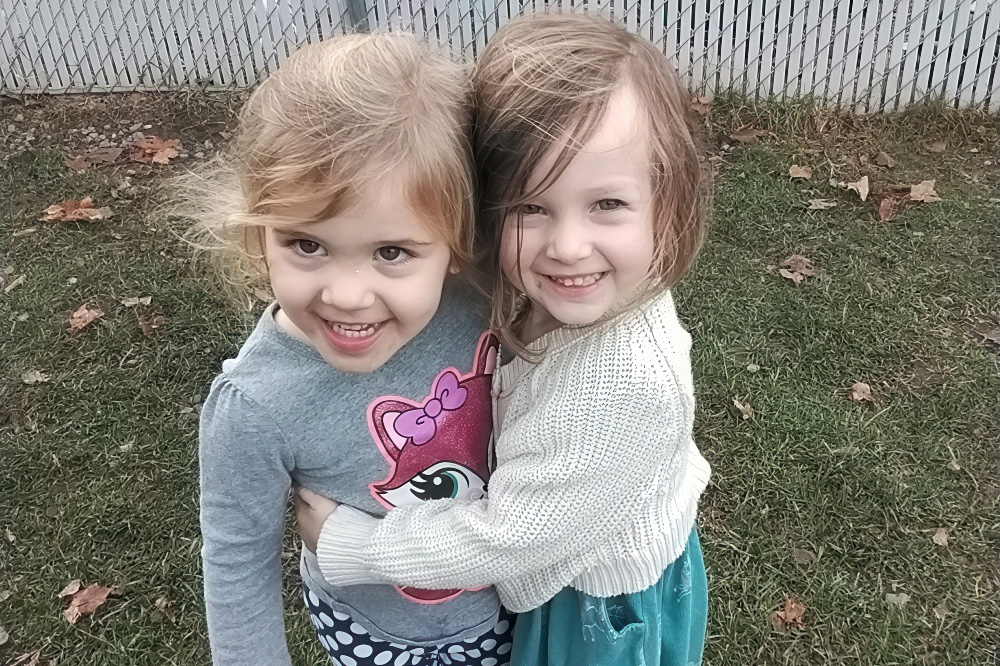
x: 333, y: 643
x: 489, y: 661
x: 313, y: 599
x: 382, y: 658
x: 398, y: 646
x: 475, y: 654
x: 502, y: 627
x: 417, y: 660
x: 417, y: 651
x: 458, y: 657
x: 322, y: 639
x: 347, y: 661
x: 363, y: 651
x: 326, y: 619
x: 455, y: 648
x: 488, y: 644
x: 344, y: 637
x: 316, y: 622
x: 505, y: 648
x: 402, y: 659
x: 471, y: 640
x: 340, y: 616
x: 334, y: 661
x: 357, y: 629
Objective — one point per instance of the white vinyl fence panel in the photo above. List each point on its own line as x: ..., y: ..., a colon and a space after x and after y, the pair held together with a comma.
x: 868, y: 55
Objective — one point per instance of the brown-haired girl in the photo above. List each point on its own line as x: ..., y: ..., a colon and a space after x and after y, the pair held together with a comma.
x: 590, y: 212
x: 350, y: 197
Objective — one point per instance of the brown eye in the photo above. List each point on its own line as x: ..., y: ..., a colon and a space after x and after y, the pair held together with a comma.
x: 307, y: 247
x: 610, y: 204
x: 530, y: 209
x: 392, y: 254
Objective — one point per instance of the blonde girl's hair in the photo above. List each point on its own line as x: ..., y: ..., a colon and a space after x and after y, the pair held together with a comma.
x: 543, y: 84
x: 337, y: 118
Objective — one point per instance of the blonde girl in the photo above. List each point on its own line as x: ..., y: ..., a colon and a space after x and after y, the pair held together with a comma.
x: 590, y: 212
x: 368, y: 378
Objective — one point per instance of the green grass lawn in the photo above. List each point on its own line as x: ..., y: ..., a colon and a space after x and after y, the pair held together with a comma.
x: 815, y: 497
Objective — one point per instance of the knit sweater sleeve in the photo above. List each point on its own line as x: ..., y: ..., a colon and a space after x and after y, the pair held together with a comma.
x: 572, y: 470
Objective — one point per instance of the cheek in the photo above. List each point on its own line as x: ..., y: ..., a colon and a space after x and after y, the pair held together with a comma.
x: 509, y: 255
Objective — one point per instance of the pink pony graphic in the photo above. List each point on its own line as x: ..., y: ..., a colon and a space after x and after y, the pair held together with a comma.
x: 437, y: 448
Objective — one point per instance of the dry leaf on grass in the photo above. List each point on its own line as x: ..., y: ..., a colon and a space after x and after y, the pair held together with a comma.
x: 942, y: 610
x: 796, y: 268
x: 803, y: 556
x: 938, y: 147
x: 700, y: 105
x: 992, y: 336
x: 150, y: 324
x: 860, y: 186
x: 790, y: 616
x: 136, y: 300
x: 796, y: 171
x: 83, y: 601
x: 83, y: 317
x: 940, y: 537
x: 34, y: 377
x: 72, y: 210
x: 924, y: 191
x: 883, y: 159
x: 889, y: 207
x: 746, y: 135
x: 746, y: 411
x: 897, y: 598
x: 821, y: 204
x: 861, y: 392
x: 94, y: 157
x: 27, y: 659
x: 4, y: 636
x: 152, y: 149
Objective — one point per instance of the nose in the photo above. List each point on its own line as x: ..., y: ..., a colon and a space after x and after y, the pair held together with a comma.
x: 348, y: 289
x: 568, y: 241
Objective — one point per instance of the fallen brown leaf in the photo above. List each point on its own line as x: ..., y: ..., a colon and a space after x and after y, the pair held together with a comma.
x: 700, y: 105
x: 796, y: 171
x: 150, y: 324
x: 71, y: 588
x: 27, y: 659
x: 897, y: 598
x: 153, y: 149
x: 85, y: 601
x: 992, y: 336
x: 860, y: 186
x: 938, y: 147
x: 821, y: 204
x: 861, y: 392
x: 746, y: 411
x: 93, y: 157
x: 83, y: 317
x: 940, y: 537
x: 796, y: 268
x: 790, y: 616
x: 34, y: 377
x: 883, y: 159
x: 803, y: 556
x: 72, y: 210
x: 924, y: 191
x: 890, y: 206
x: 746, y: 135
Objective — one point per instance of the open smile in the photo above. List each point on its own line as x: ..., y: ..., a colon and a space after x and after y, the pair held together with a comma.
x: 576, y: 284
x: 352, y: 338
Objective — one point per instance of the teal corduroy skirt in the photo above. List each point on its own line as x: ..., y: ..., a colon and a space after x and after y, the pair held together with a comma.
x: 663, y: 625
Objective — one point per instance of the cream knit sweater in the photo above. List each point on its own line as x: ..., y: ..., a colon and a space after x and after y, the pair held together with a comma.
x: 596, y: 485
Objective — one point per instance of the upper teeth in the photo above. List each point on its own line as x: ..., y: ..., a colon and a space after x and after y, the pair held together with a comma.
x: 355, y: 330
x: 578, y: 281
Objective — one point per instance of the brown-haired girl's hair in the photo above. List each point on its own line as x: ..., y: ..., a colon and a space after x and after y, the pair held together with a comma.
x: 544, y: 83
x: 339, y: 116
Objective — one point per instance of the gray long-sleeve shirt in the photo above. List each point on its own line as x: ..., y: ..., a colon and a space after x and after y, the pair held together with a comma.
x: 279, y: 412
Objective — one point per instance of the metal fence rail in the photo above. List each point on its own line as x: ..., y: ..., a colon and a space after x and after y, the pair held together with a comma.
x: 865, y: 54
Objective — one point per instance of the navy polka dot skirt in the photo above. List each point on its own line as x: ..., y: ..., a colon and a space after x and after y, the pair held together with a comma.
x: 350, y: 644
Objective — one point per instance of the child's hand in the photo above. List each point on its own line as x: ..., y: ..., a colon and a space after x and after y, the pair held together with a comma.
x: 311, y: 511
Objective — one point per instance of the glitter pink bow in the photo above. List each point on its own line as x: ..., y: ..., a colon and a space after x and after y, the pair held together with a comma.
x: 420, y: 423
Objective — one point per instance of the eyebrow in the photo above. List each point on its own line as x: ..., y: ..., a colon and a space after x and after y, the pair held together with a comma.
x: 293, y: 231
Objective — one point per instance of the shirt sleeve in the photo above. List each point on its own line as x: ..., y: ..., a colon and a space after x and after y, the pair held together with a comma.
x: 244, y: 491
x: 583, y: 460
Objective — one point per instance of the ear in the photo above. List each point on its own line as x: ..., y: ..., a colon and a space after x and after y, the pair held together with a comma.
x: 382, y: 419
x: 486, y: 354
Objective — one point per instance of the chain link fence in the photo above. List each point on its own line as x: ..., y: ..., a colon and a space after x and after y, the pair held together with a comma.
x: 870, y: 55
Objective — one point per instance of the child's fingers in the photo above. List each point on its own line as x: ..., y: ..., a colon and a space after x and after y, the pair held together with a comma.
x: 306, y: 496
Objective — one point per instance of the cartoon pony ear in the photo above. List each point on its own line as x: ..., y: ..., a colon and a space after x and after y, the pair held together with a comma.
x: 382, y: 419
x: 486, y: 354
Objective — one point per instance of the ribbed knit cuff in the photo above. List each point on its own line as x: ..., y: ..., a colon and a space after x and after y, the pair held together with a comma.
x: 340, y: 550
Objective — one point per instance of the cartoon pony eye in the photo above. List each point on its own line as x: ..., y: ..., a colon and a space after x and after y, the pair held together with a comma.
x: 443, y: 480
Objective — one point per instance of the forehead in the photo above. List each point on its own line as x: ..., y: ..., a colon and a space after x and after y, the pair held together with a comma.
x: 618, y: 141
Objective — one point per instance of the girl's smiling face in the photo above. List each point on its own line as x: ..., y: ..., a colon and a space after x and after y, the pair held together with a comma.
x: 585, y: 243
x: 359, y: 285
